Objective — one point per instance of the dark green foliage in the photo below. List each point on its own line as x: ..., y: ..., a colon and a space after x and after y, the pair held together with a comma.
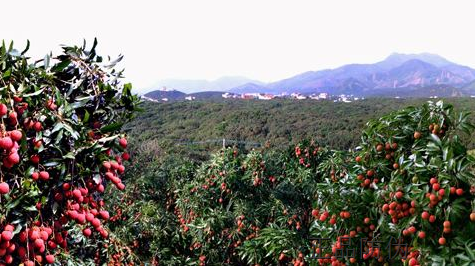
x: 276, y: 123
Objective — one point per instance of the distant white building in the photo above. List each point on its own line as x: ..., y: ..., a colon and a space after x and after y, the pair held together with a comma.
x: 263, y: 96
x: 323, y: 95
x: 148, y: 99
x: 320, y: 96
x: 298, y: 96
x: 227, y: 95
x: 190, y: 98
x: 165, y: 99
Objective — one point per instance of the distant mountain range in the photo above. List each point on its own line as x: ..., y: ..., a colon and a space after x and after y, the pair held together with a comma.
x: 404, y: 75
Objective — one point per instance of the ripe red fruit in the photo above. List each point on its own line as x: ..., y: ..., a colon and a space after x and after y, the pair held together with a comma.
x: 422, y: 234
x: 73, y: 214
x: 39, y: 243
x: 38, y: 143
x: 51, y: 105
x: 104, y: 215
x: 86, y: 232
x: 125, y: 156
x: 417, y: 135
x: 441, y: 192
x: 44, y: 175
x: 114, y: 165
x: 13, y: 158
x: 106, y: 165
x: 432, y: 219
x: 370, y: 173
x: 35, y: 159
x: 367, y: 220
x: 323, y: 217
x: 6, y: 143
x: 442, y: 241
x: 77, y: 193
x: 433, y: 180
x: 452, y: 190
x: 425, y: 215
x: 95, y: 222
x: 447, y: 224
x: 16, y: 135
x: 44, y: 235
x: 100, y: 188
x: 89, y: 217
x: 4, y: 188
x: 35, y: 176
x: 3, y: 109
x: 459, y: 191
x: 395, y: 166
x: 81, y: 218
x: 399, y: 194
x: 121, y: 169
x: 9, y: 227
x: 49, y: 259
x: 13, y: 117
x: 37, y: 126
x: 367, y: 182
x: 8, y: 259
x: 436, y: 186
x: 314, y: 212
x: 7, y: 235
x: 66, y: 186
x: 104, y: 233
x: 120, y: 186
x: 123, y: 142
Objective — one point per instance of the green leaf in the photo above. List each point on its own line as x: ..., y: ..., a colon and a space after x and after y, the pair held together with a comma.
x: 111, y: 128
x: 38, y: 92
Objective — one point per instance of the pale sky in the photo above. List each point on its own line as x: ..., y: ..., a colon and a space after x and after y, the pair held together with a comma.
x: 260, y: 39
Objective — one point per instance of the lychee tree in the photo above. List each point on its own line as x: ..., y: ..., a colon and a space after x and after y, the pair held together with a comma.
x: 60, y: 146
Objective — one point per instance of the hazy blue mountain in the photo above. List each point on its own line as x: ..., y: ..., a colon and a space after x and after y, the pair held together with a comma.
x: 397, y: 59
x: 250, y: 88
x: 398, y: 71
x: 397, y: 74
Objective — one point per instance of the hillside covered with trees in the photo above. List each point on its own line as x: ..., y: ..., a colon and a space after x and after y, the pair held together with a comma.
x: 163, y: 127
